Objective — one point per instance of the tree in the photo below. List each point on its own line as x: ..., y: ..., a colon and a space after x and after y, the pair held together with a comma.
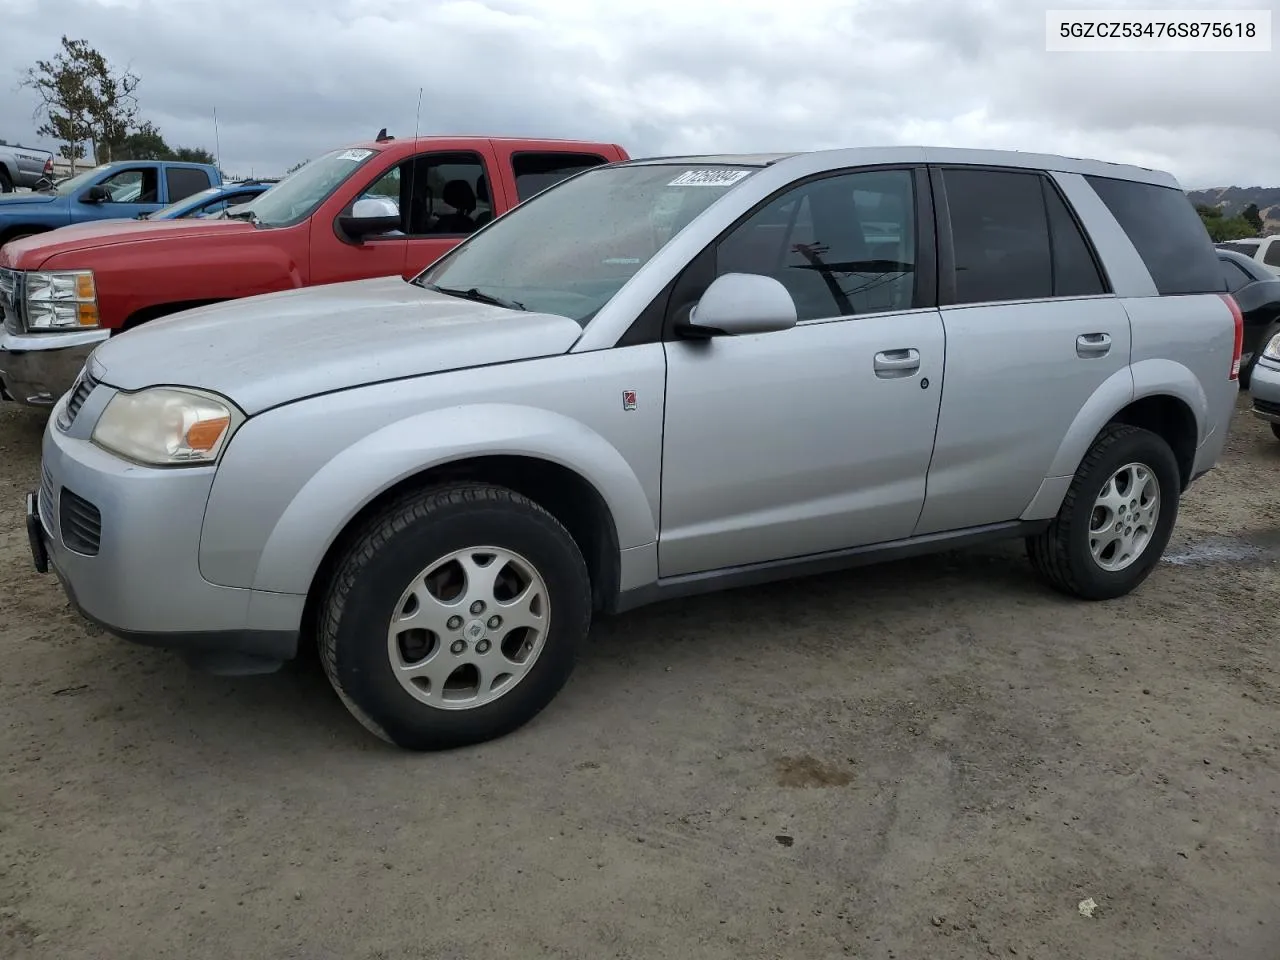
x: 1224, y: 228
x: 1253, y: 216
x: 193, y: 155
x: 144, y: 143
x: 82, y: 99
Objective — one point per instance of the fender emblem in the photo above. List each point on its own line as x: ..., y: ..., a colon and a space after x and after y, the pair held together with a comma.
x: 628, y: 399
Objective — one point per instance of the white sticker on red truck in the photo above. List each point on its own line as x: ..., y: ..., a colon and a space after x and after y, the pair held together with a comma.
x: 708, y: 178
x: 354, y: 154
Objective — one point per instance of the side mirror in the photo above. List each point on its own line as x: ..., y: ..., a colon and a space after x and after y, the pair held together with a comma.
x: 96, y: 194
x: 369, y: 217
x: 740, y: 303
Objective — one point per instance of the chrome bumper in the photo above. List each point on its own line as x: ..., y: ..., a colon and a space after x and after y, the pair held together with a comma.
x: 1264, y: 388
x: 124, y: 540
x: 38, y: 368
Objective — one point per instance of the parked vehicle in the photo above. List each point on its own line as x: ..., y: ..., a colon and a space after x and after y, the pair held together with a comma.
x: 23, y: 166
x: 308, y: 229
x: 212, y: 202
x: 1264, y: 389
x: 1257, y: 292
x: 654, y: 379
x: 114, y: 190
x: 1263, y: 250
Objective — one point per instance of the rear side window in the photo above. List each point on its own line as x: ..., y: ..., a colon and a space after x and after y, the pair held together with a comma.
x: 1236, y: 275
x: 535, y: 172
x: 1248, y: 249
x: 1167, y: 232
x: 1000, y: 234
x: 1272, y: 257
x: 185, y: 182
x: 1075, y: 271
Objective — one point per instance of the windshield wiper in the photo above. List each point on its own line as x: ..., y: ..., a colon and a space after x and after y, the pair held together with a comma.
x: 477, y: 296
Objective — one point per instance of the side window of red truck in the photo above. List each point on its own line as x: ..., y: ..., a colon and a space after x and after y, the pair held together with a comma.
x: 438, y: 194
x: 535, y: 172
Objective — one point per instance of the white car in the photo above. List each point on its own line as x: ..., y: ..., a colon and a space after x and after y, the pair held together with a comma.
x: 1265, y: 250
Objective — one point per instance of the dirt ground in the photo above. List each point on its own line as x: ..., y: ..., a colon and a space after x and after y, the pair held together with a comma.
x: 931, y: 759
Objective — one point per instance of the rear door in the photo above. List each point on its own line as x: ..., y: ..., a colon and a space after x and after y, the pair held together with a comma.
x: 183, y: 182
x: 1032, y: 331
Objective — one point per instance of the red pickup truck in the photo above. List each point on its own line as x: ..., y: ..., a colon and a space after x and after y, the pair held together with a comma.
x: 369, y: 210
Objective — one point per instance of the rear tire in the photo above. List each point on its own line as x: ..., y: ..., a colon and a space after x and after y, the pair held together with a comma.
x: 1108, y: 536
x: 6, y: 184
x: 417, y: 632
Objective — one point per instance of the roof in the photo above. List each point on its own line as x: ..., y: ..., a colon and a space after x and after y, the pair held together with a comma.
x: 854, y: 156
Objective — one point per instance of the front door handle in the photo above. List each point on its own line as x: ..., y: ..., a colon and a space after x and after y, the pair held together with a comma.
x: 1090, y: 345
x: 897, y: 363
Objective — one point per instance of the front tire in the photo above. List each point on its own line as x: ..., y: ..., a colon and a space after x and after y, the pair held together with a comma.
x: 1116, y: 518
x: 455, y: 617
x: 6, y: 184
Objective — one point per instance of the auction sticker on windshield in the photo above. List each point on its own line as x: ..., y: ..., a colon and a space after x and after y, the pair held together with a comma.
x: 708, y: 178
x: 354, y: 154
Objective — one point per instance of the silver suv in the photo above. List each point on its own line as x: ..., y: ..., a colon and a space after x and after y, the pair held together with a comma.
x: 658, y: 378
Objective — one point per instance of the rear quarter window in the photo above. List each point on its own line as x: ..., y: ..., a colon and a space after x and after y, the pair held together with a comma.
x: 1167, y: 232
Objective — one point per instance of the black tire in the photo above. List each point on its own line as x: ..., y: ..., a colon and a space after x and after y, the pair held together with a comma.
x: 1275, y: 430
x: 390, y: 552
x: 6, y: 184
x: 1061, y: 554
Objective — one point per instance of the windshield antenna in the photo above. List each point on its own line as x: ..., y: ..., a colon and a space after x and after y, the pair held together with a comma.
x: 217, y: 142
x: 406, y: 217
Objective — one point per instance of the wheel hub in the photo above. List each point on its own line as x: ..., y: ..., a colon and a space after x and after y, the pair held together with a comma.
x: 1124, y: 517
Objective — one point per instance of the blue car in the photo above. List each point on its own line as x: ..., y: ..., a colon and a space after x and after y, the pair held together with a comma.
x: 211, y: 202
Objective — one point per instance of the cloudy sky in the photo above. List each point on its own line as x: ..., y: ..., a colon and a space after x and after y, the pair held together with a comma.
x: 291, y: 78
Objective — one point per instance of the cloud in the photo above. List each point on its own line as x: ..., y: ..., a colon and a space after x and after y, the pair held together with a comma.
x: 290, y: 79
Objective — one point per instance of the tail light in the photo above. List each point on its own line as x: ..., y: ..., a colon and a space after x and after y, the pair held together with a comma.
x: 48, y: 167
x: 1238, y: 317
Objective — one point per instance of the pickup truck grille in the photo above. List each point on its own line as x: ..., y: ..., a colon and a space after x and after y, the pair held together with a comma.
x: 11, y: 299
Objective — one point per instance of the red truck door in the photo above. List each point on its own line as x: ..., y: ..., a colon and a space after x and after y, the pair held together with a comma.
x: 443, y: 195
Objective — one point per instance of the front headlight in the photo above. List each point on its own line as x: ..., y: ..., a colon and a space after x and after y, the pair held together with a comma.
x: 61, y: 300
x: 167, y: 426
x: 1272, y: 350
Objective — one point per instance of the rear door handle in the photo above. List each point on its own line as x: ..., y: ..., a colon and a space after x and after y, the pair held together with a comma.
x: 897, y: 363
x: 1093, y: 345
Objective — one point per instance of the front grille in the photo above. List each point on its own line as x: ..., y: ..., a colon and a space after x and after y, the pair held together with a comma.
x: 11, y: 284
x: 84, y: 386
x: 47, y: 499
x: 1267, y: 407
x: 81, y: 523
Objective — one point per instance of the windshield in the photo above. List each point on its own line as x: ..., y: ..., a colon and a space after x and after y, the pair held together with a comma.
x: 570, y: 249
x: 297, y: 195
x: 192, y: 201
x: 77, y: 183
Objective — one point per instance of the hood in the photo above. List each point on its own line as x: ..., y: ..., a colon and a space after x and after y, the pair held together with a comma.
x: 30, y: 252
x: 25, y: 199
x: 263, y: 351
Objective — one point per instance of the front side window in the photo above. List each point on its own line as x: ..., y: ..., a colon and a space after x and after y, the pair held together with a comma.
x: 133, y: 186
x: 842, y: 245
x: 437, y: 194
x: 569, y: 249
x: 296, y: 197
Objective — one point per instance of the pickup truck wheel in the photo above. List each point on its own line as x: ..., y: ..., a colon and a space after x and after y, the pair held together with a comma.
x: 6, y: 184
x: 455, y: 617
x: 1116, y: 518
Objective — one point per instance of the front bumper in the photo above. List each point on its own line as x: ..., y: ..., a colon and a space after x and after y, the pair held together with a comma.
x: 139, y: 578
x: 1264, y: 389
x: 38, y: 368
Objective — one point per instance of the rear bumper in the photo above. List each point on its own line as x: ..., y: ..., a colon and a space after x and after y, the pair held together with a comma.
x: 37, y: 368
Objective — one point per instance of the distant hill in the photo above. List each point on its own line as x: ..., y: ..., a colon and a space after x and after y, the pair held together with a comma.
x: 1233, y: 200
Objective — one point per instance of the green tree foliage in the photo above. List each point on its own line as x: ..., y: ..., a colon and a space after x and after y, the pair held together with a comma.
x: 83, y: 100
x: 1224, y: 228
x: 1254, y: 216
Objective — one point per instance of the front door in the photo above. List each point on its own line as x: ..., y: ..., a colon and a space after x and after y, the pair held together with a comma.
x: 441, y: 197
x: 132, y: 190
x: 1032, y: 332
x: 817, y: 438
